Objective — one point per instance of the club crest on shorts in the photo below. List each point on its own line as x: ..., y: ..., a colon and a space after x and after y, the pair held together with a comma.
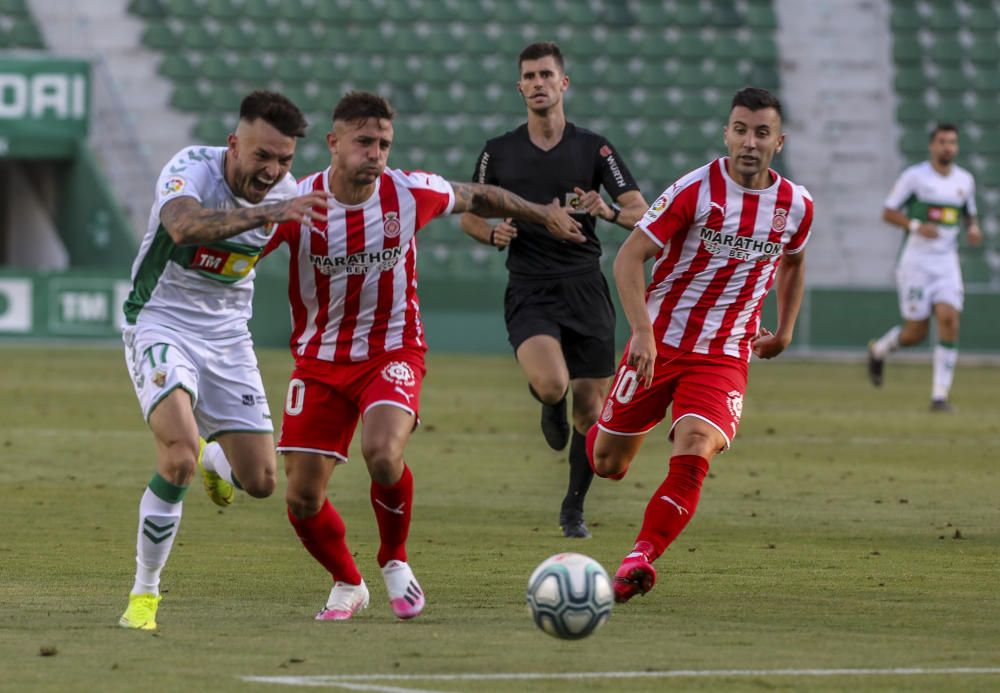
x: 159, y: 377
x: 735, y: 403
x: 780, y: 220
x: 609, y: 409
x: 399, y: 373
x: 391, y: 225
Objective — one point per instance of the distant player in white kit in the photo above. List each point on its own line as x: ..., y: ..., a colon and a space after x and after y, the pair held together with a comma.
x: 187, y: 345
x: 930, y: 200
x: 358, y: 340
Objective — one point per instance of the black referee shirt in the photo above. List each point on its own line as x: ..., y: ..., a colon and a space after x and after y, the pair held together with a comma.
x: 582, y: 159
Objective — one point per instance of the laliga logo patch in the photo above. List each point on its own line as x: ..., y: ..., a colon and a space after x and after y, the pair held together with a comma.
x: 735, y: 403
x: 390, y: 222
x: 399, y: 373
x: 780, y: 220
x: 173, y: 185
x: 605, y: 151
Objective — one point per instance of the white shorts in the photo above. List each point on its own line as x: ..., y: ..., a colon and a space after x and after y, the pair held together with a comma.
x: 924, y: 284
x: 220, y: 375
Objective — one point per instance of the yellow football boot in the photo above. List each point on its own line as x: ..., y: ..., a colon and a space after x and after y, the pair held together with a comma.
x: 218, y: 489
x: 141, y: 612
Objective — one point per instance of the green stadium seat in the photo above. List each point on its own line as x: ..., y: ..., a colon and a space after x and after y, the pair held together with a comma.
x: 211, y: 131
x: 907, y: 49
x: 910, y: 79
x: 159, y: 35
x: 689, y: 45
x: 913, y: 142
x: 471, y: 13
x: 763, y: 51
x: 198, y: 37
x: 222, y: 9
x: 185, y: 9
x: 945, y: 17
x: 616, y: 14
x: 986, y: 111
x: 912, y: 109
x: 188, y: 97
x: 952, y: 80
x: 237, y: 38
x: 25, y: 34
x: 983, y: 19
x: 224, y: 98
x: 761, y: 15
x: 985, y: 51
x: 690, y: 15
x: 250, y: 68
x: 905, y: 17
x: 947, y: 49
x: 217, y: 67
x: 764, y: 76
x: 178, y: 67
x: 951, y: 111
x: 399, y: 11
x: 140, y: 8
x: 653, y: 13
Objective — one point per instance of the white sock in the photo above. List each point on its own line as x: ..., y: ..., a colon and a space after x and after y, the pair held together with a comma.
x: 159, y: 519
x: 214, y: 460
x: 887, y: 343
x: 944, y: 370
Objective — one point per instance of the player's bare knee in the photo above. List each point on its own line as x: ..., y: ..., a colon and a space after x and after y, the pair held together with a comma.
x: 550, y: 390
x: 385, y: 462
x: 304, y: 502
x: 608, y: 465
x: 260, y: 485
x: 177, y: 462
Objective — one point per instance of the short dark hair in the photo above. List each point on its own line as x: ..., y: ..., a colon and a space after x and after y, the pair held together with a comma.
x: 543, y: 49
x: 362, y: 105
x: 756, y: 99
x: 943, y: 127
x: 276, y: 110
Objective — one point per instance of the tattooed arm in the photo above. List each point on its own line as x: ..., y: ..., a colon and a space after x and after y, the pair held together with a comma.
x: 492, y: 201
x: 188, y: 222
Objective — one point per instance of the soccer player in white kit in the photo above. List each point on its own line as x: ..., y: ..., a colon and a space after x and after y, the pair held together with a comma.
x: 187, y: 345
x: 930, y: 200
x: 358, y: 340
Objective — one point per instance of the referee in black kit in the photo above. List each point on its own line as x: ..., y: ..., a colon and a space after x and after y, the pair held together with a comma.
x: 559, y: 316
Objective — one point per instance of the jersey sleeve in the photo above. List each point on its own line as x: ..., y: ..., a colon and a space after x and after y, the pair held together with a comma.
x: 434, y: 196
x: 970, y: 204
x: 615, y: 176
x: 185, y: 175
x: 801, y: 236
x: 672, y: 212
x: 485, y: 170
x: 282, y: 234
x: 901, y: 191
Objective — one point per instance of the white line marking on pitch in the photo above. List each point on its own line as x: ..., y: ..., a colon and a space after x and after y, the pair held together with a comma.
x: 345, y: 680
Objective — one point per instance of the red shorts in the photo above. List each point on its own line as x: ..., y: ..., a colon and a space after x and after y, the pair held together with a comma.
x: 708, y: 387
x: 326, y: 399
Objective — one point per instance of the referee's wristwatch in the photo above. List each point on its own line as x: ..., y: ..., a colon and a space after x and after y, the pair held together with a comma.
x: 614, y: 217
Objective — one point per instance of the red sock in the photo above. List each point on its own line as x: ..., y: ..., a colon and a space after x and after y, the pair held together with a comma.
x: 673, y: 504
x: 323, y: 536
x: 393, y: 506
x: 591, y: 440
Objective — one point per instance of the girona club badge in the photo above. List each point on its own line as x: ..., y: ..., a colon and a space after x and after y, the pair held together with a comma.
x: 391, y: 225
x: 780, y: 220
x: 399, y: 373
x: 735, y: 402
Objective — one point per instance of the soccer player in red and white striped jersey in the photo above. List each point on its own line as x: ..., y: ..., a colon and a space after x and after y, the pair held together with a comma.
x: 358, y: 341
x: 721, y: 236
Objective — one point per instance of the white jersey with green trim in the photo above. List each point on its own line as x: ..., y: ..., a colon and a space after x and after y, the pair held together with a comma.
x: 927, y: 195
x: 206, y: 289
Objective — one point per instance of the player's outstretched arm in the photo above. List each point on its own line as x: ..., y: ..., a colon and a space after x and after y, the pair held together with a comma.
x: 974, y: 232
x: 789, y: 285
x: 492, y: 201
x: 630, y: 278
x: 188, y: 222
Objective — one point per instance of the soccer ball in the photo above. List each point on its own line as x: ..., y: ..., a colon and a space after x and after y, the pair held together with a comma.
x: 569, y: 596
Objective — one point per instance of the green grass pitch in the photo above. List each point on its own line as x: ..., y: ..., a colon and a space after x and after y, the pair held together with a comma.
x: 847, y: 528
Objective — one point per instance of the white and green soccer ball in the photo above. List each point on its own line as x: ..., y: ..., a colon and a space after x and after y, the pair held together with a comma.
x: 569, y: 596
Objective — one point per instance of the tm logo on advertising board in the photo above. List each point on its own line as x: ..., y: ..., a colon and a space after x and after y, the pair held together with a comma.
x: 15, y: 306
x: 86, y: 307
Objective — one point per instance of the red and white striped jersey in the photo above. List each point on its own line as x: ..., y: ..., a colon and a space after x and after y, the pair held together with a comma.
x: 352, y: 281
x: 721, y: 246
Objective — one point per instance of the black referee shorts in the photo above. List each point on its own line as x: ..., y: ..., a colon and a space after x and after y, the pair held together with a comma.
x: 575, y: 310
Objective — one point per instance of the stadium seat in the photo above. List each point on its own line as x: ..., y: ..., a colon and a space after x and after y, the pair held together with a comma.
x: 985, y: 51
x: 910, y: 79
x: 212, y: 131
x: 140, y: 8
x: 983, y: 19
x: 178, y: 67
x: 188, y: 97
x: 907, y: 49
x: 947, y: 49
x: 185, y: 9
x: 951, y: 80
x: 221, y: 9
x: 760, y: 15
x: 158, y: 34
x: 905, y: 17
x: 912, y: 109
x: 25, y: 34
x: 944, y: 17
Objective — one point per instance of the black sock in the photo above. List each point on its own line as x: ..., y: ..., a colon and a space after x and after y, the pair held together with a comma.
x: 580, y: 475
